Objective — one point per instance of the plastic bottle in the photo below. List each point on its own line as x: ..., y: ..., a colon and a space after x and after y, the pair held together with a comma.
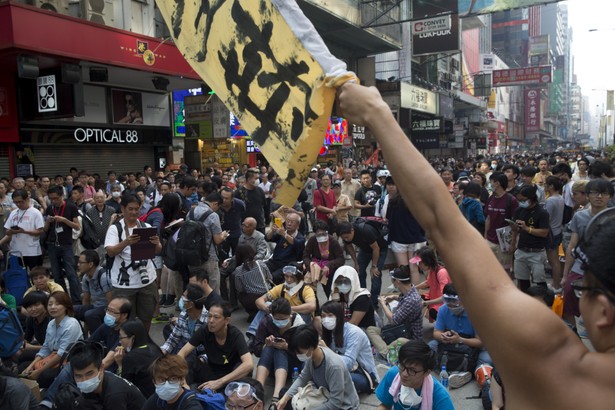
x: 295, y: 373
x: 444, y: 377
x: 392, y: 356
x: 398, y: 347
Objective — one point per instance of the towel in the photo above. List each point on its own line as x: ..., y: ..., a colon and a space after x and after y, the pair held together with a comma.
x: 426, y: 391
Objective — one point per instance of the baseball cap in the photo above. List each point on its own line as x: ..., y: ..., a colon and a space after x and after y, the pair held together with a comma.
x: 314, y: 170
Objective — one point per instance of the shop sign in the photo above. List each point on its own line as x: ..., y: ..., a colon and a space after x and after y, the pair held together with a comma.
x: 358, y: 132
x: 47, y: 93
x: 434, y: 125
x: 418, y: 99
x: 106, y: 136
x: 425, y: 141
x: 532, y: 110
x: 520, y: 76
x: 431, y: 24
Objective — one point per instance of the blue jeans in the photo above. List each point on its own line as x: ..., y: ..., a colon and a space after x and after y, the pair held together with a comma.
x: 364, y: 259
x: 361, y: 384
x: 65, y: 376
x: 273, y: 359
x: 255, y: 322
x: 62, y: 259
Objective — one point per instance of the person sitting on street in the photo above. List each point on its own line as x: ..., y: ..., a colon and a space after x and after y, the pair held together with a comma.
x: 41, y: 280
x: 252, y: 279
x: 35, y: 303
x: 226, y: 356
x: 453, y: 328
x: 243, y: 393
x: 289, y: 246
x: 271, y: 344
x: 408, y: 311
x: 97, y: 291
x: 356, y: 301
x: 437, y: 278
x: 322, y: 256
x: 351, y: 343
x: 169, y: 376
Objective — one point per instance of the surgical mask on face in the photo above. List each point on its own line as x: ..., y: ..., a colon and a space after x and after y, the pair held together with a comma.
x: 524, y: 204
x: 302, y: 357
x: 181, y: 304
x: 109, y: 320
x: 88, y: 386
x: 281, y: 323
x: 289, y: 285
x: 494, y: 166
x: 408, y: 397
x: 457, y: 311
x: 322, y: 238
x: 344, y: 288
x: 116, y: 194
x: 329, y: 323
x: 167, y: 390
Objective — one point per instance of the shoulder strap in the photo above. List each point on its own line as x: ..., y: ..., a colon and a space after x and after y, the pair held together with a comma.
x: 204, y: 216
x: 118, y: 226
x: 181, y: 400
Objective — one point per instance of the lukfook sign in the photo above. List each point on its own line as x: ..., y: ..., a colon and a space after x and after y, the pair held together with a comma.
x: 109, y: 136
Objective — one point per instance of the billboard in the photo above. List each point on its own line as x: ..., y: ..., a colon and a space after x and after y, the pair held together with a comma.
x: 523, y: 76
x: 438, y: 41
x: 179, y: 113
x: 532, y: 110
x: 474, y: 7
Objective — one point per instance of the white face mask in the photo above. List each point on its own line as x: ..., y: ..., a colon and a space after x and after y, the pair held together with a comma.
x: 329, y: 323
x: 89, y: 385
x: 322, y: 238
x: 116, y: 194
x: 302, y: 357
x: 408, y: 397
x: 344, y: 288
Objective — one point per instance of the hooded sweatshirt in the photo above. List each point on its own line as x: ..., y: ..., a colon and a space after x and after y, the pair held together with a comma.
x: 357, y: 299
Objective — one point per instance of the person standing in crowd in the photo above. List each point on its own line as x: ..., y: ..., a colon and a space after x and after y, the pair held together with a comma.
x: 501, y: 206
x: 61, y: 219
x: 580, y: 173
x: 543, y: 172
x: 350, y: 187
x: 325, y: 203
x: 100, y: 217
x: 365, y: 199
x: 555, y: 208
x: 343, y: 204
x: 254, y: 199
x: 134, y: 280
x: 23, y: 227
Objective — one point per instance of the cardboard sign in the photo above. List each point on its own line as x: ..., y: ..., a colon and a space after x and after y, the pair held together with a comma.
x: 269, y: 66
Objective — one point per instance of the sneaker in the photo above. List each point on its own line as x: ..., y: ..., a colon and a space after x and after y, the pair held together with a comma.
x: 169, y: 301
x: 458, y: 379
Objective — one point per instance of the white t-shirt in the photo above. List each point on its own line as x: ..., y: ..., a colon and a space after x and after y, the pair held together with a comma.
x: 113, y: 239
x: 29, y: 220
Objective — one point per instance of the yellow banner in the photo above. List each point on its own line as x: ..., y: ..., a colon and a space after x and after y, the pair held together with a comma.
x: 249, y: 55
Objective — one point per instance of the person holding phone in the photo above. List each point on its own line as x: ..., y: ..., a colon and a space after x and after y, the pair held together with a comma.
x: 271, y: 345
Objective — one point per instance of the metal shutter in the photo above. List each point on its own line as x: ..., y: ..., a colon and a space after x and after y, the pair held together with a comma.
x: 57, y: 160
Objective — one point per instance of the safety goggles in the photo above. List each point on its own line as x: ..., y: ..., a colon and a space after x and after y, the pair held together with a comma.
x: 241, y: 389
x: 289, y: 270
x: 452, y: 300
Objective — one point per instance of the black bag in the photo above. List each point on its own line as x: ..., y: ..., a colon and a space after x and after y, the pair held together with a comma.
x: 567, y: 216
x: 89, y: 239
x: 378, y: 224
x: 390, y: 333
x: 192, y: 245
x: 69, y: 397
x: 458, y: 357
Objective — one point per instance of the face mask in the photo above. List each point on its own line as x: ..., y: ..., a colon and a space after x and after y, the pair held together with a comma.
x: 329, y: 323
x: 344, y: 288
x: 181, y: 304
x: 524, y: 204
x: 116, y: 194
x: 109, y: 320
x: 302, y: 357
x: 88, y: 386
x: 322, y: 239
x: 289, y: 285
x: 457, y: 311
x: 167, y: 390
x: 281, y: 323
x: 494, y: 166
x: 408, y: 397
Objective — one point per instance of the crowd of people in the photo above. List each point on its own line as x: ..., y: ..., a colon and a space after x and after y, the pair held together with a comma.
x: 301, y: 273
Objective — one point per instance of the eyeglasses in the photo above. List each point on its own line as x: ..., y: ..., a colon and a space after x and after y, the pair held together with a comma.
x: 579, y: 288
x: 410, y: 371
x: 162, y: 380
x: 596, y: 193
x: 242, y: 390
x: 113, y: 312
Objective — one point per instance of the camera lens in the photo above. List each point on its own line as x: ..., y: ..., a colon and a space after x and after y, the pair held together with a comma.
x: 143, y: 273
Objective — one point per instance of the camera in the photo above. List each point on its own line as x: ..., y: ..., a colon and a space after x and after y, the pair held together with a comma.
x: 372, y: 202
x: 143, y: 274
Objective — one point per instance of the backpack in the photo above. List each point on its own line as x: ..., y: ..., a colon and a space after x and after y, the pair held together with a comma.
x: 207, y: 399
x: 11, y: 331
x: 16, y: 280
x: 69, y: 397
x: 567, y: 216
x: 381, y: 228
x: 457, y: 357
x: 191, y: 246
x: 143, y: 218
x: 89, y: 239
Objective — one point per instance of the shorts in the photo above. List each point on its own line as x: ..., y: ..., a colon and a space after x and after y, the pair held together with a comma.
x: 530, y: 265
x: 571, y: 301
x: 144, y: 300
x: 553, y: 241
x: 505, y: 259
x: 397, y: 247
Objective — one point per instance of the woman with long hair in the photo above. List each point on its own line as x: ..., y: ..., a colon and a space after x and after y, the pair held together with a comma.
x: 437, y: 278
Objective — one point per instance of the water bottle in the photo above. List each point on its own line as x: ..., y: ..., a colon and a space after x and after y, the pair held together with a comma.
x: 392, y: 356
x: 444, y: 377
x: 295, y: 374
x: 398, y: 347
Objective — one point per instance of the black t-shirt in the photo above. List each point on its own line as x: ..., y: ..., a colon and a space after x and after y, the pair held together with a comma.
x: 222, y: 359
x: 117, y: 394
x: 213, y: 298
x: 537, y: 218
x: 115, y: 205
x: 135, y: 368
x: 371, y: 195
x: 35, y: 330
x: 63, y: 232
x: 189, y: 403
x: 255, y: 204
x: 365, y: 235
x: 363, y: 303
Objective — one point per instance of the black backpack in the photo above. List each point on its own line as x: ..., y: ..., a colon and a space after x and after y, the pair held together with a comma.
x: 89, y: 239
x: 69, y: 397
x: 381, y: 228
x: 191, y: 248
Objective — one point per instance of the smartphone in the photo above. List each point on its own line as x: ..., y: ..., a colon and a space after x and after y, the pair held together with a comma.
x: 279, y: 340
x: 510, y: 221
x: 14, y: 228
x: 278, y: 222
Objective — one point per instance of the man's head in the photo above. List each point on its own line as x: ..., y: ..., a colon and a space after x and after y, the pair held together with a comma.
x: 303, y: 342
x: 347, y: 174
x: 451, y: 298
x: 346, y: 231
x: 199, y: 276
x: 415, y: 361
x: 245, y: 393
x: 193, y: 298
x: 214, y: 200
x: 19, y: 183
x: 292, y: 275
x: 187, y: 186
x: 248, y: 226
x: 325, y: 181
x: 563, y: 172
x: 56, y: 195
x: 366, y: 178
x: 88, y: 262
x: 35, y: 303
x: 511, y: 171
x: 40, y: 276
x: 130, y: 205
x: 400, y: 277
x: 112, y: 176
x: 77, y: 194
x: 543, y: 165
x: 118, y: 312
x: 169, y: 374
x: 601, y: 169
x: 21, y: 199
x: 579, y: 196
x: 498, y: 180
x: 599, y: 192
x: 219, y: 317
x: 292, y: 222
x: 251, y: 178
x: 85, y: 359
x: 527, y: 175
x: 447, y: 175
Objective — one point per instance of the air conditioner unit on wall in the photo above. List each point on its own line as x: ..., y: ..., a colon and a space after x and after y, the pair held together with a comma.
x: 99, y: 11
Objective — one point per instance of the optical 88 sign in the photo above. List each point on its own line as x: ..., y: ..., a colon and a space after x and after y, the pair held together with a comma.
x: 109, y: 136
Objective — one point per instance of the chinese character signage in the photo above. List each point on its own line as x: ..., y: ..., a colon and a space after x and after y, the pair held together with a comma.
x: 419, y: 99
x: 47, y: 93
x: 432, y: 125
x: 532, y: 110
x: 425, y: 141
x: 522, y: 76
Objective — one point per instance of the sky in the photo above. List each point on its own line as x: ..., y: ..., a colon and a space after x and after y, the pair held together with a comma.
x: 594, y: 52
